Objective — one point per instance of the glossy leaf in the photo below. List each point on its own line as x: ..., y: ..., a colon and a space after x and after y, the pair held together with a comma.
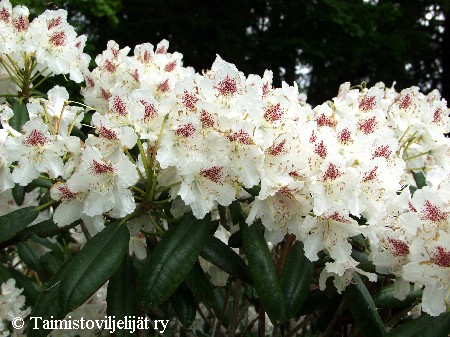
x: 183, y: 302
x: 20, y: 116
x: 315, y: 300
x: 384, y: 298
x: 199, y: 284
x: 419, y: 178
x: 29, y: 256
x: 172, y: 260
x: 423, y: 326
x: 363, y: 309
x: 18, y: 193
x: 120, y: 297
x: 296, y: 279
x: 94, y: 265
x: 218, y: 253
x: 48, y: 305
x: 262, y: 269
x: 15, y: 221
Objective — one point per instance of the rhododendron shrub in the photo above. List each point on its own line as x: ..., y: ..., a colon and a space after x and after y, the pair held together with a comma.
x: 214, y: 199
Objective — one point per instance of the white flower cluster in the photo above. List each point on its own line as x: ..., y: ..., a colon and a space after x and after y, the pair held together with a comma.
x: 12, y: 305
x: 49, y: 39
x: 326, y: 174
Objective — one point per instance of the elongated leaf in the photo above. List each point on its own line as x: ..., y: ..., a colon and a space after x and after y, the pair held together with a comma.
x: 18, y: 193
x: 94, y: 265
x: 43, y: 229
x: 235, y: 240
x: 419, y: 178
x: 39, y: 182
x: 423, y: 326
x: 384, y: 298
x: 363, y: 309
x: 48, y: 305
x: 200, y: 285
x: 120, y: 297
x: 171, y: 261
x: 28, y: 254
x: 296, y: 279
x: 14, y: 222
x: 183, y: 302
x: 314, y: 301
x: 5, y: 274
x: 218, y: 253
x: 364, y: 262
x: 262, y: 269
x: 220, y: 305
x: 20, y: 116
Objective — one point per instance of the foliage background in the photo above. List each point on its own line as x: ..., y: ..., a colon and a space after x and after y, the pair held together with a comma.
x: 319, y: 43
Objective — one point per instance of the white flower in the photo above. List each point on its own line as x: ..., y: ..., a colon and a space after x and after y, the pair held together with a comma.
x: 37, y: 151
x: 430, y: 266
x: 105, y: 182
x: 11, y: 304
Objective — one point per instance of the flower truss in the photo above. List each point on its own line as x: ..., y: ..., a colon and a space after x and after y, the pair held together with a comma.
x: 164, y: 141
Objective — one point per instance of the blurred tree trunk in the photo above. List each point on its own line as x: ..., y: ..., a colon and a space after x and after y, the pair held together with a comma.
x: 446, y: 54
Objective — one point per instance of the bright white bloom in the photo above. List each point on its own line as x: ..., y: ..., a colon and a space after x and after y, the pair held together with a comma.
x: 62, y: 116
x: 37, y: 151
x: 106, y: 184
x: 430, y: 266
x: 55, y: 44
x: 12, y: 305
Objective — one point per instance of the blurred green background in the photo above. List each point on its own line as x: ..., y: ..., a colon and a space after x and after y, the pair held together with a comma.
x: 318, y: 43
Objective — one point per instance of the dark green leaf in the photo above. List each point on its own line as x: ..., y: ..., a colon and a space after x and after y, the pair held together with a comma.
x: 18, y: 193
x: 235, y: 240
x: 48, y: 305
x: 364, y: 262
x: 424, y: 326
x: 200, y: 285
x: 183, y: 302
x: 171, y: 261
x: 14, y: 222
x: 219, y: 306
x: 43, y: 229
x: 38, y: 182
x: 296, y: 279
x: 50, y: 263
x: 262, y: 269
x: 419, y: 178
x: 315, y: 300
x: 5, y: 274
x: 384, y: 298
x: 120, y: 297
x: 363, y: 309
x: 94, y: 265
x: 218, y: 253
x: 29, y: 256
x: 20, y: 116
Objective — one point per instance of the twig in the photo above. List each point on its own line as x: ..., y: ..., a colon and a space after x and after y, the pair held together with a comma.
x: 222, y: 314
x: 249, y: 326
x: 300, y: 325
x: 261, y: 321
x: 234, y: 317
